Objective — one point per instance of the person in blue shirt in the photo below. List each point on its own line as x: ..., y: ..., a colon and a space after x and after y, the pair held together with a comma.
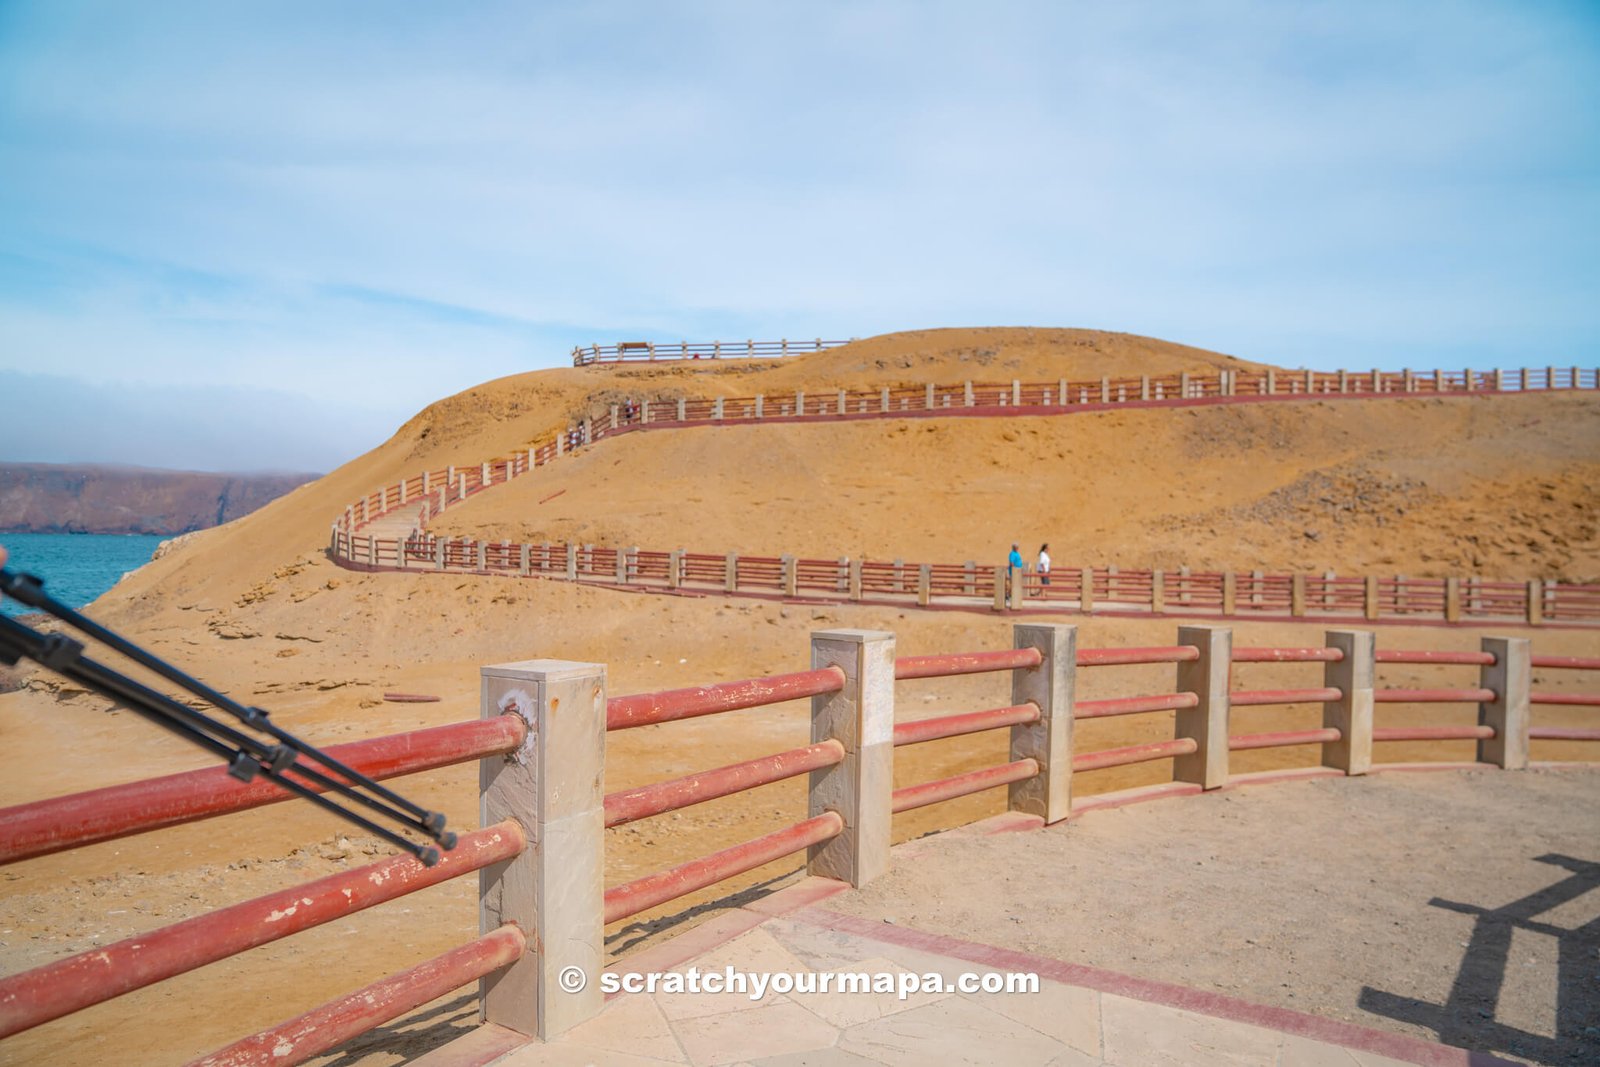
x: 1014, y: 563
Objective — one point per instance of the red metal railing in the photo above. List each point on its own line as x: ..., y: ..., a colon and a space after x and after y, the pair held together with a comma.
x: 641, y: 803
x: 907, y: 667
x: 1097, y: 709
x: 1432, y: 733
x: 1118, y: 757
x: 1257, y: 697
x: 912, y: 733
x: 1283, y: 738
x: 1432, y: 696
x: 645, y: 709
x: 918, y: 796
x: 67, y: 822
x: 61, y: 988
x: 651, y: 890
x: 337, y: 1022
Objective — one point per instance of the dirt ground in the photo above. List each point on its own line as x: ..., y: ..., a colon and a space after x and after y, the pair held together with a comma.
x: 255, y: 607
x: 1447, y: 905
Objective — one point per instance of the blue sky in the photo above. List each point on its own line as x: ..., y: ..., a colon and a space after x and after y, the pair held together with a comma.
x: 241, y: 236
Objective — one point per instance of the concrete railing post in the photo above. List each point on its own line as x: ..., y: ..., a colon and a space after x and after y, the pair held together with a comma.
x: 861, y: 788
x: 1207, y: 721
x: 1535, y: 602
x: 855, y: 579
x: 1158, y: 592
x: 924, y: 584
x: 1086, y: 590
x: 1230, y: 593
x: 572, y: 562
x: 1297, y: 595
x: 683, y: 409
x: 730, y: 572
x: 1002, y: 588
x: 967, y: 394
x: 1351, y: 714
x: 675, y: 568
x: 1452, y: 599
x: 554, y: 890
x: 791, y: 576
x: 760, y: 405
x: 1510, y: 676
x: 1048, y: 741
x: 524, y: 563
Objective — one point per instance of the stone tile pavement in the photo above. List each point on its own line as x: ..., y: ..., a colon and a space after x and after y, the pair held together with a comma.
x: 1080, y: 1017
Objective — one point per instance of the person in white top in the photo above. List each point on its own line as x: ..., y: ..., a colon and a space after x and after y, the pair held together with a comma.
x: 1044, y: 565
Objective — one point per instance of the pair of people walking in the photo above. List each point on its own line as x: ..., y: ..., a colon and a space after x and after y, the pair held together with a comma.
x: 1016, y: 569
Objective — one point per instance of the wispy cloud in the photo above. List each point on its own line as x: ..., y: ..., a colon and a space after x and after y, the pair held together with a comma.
x: 379, y: 205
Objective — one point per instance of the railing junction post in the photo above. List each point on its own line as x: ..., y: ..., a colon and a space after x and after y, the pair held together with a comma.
x: 1351, y: 714
x: 860, y: 789
x: 1207, y: 721
x: 1048, y: 741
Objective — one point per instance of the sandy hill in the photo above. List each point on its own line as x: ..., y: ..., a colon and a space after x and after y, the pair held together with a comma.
x: 256, y: 607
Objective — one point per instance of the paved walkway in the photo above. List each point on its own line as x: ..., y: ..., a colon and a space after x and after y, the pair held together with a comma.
x: 1080, y: 1017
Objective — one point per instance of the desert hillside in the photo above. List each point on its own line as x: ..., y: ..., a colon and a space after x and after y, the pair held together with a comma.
x: 256, y: 607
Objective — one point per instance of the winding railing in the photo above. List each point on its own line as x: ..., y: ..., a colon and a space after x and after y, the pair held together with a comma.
x: 1104, y: 590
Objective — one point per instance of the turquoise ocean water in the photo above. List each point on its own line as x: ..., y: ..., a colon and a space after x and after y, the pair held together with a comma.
x: 76, y: 568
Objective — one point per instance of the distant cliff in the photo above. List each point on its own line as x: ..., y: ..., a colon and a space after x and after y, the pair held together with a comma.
x: 51, y: 498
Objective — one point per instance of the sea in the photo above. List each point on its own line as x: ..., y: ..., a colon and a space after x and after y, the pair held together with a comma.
x: 76, y: 568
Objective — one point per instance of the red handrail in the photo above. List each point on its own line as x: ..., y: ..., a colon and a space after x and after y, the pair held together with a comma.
x: 630, y: 805
x: 338, y: 1021
x: 960, y: 785
x: 1247, y: 698
x: 1118, y: 757
x: 1110, y: 657
x: 944, y: 666
x: 1281, y: 738
x: 1577, y: 700
x: 645, y: 709
x: 1432, y: 733
x: 78, y: 819
x: 1564, y: 733
x: 1473, y: 659
x: 641, y: 894
x: 972, y: 722
x: 1098, y: 709
x: 1567, y: 663
x: 35, y: 997
x: 1432, y: 696
x: 1288, y: 655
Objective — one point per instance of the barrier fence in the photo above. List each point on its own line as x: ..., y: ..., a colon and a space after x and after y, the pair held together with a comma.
x: 410, y: 504
x: 1106, y: 590
x: 544, y: 910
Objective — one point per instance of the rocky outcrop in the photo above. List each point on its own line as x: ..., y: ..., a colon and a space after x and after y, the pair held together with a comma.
x: 51, y: 498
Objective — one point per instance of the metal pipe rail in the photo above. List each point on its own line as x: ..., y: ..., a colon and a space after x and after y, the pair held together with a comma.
x: 1120, y: 757
x: 1248, y: 698
x: 951, y: 664
x: 1564, y: 733
x: 630, y: 805
x: 646, y: 709
x: 34, y: 997
x: 1288, y: 655
x: 960, y: 785
x: 1579, y: 700
x: 1283, y: 738
x: 61, y: 823
x: 641, y: 894
x: 1099, y: 709
x: 1432, y: 733
x: 1567, y: 663
x: 1467, y: 659
x: 336, y: 1022
x: 1432, y: 696
x: 1116, y: 657
x: 972, y: 722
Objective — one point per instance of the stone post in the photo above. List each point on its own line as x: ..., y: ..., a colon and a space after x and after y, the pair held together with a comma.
x: 716, y: 409
x: 1297, y: 595
x: 554, y: 786
x: 791, y: 576
x: 730, y: 572
x: 883, y: 399
x: 1371, y: 597
x: 924, y: 585
x: 683, y: 409
x: 1086, y: 590
x: 861, y: 788
x: 1510, y: 676
x: 1351, y: 714
x: 967, y: 394
x: 572, y: 562
x: 523, y: 562
x: 1002, y: 588
x: 675, y: 568
x: 1535, y: 602
x: 760, y: 400
x: 800, y: 402
x: 1183, y: 385
x: 1207, y: 721
x: 1158, y: 592
x: 1452, y: 600
x: 1230, y: 594
x: 927, y: 399
x: 855, y: 579
x: 1048, y: 741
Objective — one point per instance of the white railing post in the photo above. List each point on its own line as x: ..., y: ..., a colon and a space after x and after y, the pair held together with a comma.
x: 1510, y: 677
x: 1351, y: 713
x: 860, y: 790
x: 1050, y: 686
x: 1207, y: 721
x: 554, y: 890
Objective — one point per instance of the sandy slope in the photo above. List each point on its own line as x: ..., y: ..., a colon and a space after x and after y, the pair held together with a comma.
x: 255, y: 606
